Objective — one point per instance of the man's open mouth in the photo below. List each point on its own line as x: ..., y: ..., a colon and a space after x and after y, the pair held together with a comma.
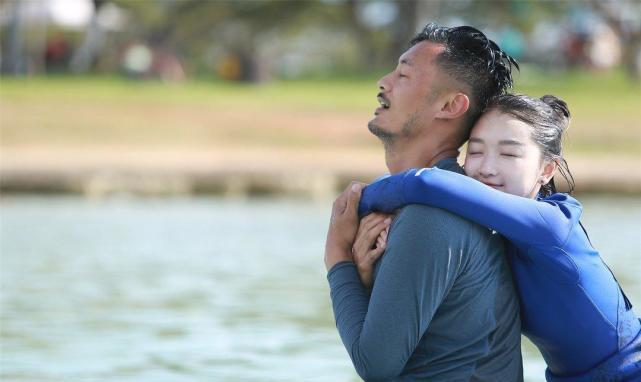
x: 383, y: 101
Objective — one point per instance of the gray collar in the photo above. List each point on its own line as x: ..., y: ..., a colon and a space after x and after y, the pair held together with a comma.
x: 449, y: 164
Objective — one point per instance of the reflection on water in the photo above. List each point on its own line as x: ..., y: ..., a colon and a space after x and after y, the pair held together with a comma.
x: 197, y: 289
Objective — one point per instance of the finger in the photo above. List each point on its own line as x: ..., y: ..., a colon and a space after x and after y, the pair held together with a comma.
x: 343, y: 198
x: 369, y: 217
x: 361, y: 247
x: 373, y: 234
x: 353, y: 197
x: 375, y: 254
x: 381, y: 228
x: 339, y: 205
x: 372, y: 220
x: 367, y: 226
x: 366, y: 238
x: 364, y: 229
x: 365, y: 223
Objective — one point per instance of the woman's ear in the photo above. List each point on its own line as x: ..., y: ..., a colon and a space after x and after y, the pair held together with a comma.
x: 547, y: 171
x: 455, y: 106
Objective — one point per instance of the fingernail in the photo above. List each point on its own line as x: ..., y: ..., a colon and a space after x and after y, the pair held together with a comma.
x: 356, y: 187
x: 388, y: 220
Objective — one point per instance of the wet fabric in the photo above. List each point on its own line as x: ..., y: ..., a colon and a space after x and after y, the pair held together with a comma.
x: 623, y: 366
x: 442, y: 308
x: 572, y: 307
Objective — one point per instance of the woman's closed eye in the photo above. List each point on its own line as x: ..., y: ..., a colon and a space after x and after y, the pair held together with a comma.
x: 510, y: 155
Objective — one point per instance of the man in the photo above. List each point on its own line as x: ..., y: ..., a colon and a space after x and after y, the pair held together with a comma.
x: 442, y: 307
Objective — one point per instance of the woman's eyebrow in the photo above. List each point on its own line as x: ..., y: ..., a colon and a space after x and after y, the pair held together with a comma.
x: 475, y: 140
x: 510, y: 142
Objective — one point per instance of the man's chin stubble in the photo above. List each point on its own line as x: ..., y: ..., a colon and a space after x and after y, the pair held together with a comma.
x: 388, y: 138
x: 385, y: 136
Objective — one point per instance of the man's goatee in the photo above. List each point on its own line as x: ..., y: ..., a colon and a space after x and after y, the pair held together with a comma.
x: 379, y: 132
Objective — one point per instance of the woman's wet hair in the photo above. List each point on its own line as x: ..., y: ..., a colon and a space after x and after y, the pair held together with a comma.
x: 548, y: 118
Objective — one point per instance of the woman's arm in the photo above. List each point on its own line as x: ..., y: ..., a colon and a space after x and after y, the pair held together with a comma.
x: 546, y: 222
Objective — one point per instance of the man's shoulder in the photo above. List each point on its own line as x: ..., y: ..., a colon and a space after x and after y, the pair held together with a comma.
x: 432, y: 227
x: 432, y: 217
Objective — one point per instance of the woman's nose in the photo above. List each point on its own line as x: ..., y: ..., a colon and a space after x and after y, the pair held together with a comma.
x: 488, y: 168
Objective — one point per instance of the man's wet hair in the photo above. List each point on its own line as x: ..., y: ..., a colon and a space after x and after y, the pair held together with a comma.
x: 474, y: 60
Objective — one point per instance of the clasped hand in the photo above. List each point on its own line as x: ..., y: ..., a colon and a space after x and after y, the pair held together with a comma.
x: 348, y: 239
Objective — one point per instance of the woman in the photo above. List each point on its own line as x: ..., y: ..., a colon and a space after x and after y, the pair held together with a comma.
x: 572, y: 307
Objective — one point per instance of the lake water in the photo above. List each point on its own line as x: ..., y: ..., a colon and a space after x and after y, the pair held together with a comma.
x: 198, y: 289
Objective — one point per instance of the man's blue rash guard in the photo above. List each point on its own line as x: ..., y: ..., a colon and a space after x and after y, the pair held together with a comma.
x: 572, y: 307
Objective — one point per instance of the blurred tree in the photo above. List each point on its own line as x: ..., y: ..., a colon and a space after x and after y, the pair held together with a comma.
x: 624, y: 17
x: 380, y: 46
x: 14, y: 60
x: 250, y: 39
x: 191, y: 26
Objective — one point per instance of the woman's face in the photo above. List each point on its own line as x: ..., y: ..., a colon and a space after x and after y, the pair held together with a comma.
x: 501, y: 154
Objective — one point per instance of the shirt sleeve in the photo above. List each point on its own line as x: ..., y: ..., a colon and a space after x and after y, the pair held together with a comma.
x: 535, y: 222
x: 381, y: 332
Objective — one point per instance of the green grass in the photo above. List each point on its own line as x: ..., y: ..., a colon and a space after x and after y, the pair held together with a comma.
x: 111, y: 110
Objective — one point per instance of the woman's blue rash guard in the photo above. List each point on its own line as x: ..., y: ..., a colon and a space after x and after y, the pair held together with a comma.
x: 572, y: 307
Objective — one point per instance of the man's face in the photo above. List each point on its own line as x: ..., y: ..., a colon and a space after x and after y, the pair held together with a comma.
x: 408, y: 93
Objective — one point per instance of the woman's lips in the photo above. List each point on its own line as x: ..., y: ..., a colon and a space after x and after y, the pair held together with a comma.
x: 493, y: 185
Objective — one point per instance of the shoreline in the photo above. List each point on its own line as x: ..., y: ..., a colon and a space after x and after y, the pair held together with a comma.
x: 241, y: 171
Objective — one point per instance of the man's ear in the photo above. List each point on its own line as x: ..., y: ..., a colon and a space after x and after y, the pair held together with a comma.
x: 455, y: 106
x: 548, y: 171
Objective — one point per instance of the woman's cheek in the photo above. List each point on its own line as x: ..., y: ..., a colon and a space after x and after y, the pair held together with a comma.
x: 470, y: 166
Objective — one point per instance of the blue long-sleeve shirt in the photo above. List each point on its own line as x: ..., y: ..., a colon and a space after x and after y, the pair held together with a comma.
x: 572, y: 308
x: 442, y: 307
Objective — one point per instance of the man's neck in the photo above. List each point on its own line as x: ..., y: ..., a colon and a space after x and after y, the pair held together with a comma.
x: 399, y: 159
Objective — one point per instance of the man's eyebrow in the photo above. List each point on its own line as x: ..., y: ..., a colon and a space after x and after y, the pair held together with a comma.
x: 405, y: 61
x: 511, y: 142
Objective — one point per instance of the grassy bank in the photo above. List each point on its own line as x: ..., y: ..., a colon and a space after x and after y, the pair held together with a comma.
x: 107, y: 111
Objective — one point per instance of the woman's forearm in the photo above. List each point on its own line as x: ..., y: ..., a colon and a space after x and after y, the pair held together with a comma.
x: 519, y: 219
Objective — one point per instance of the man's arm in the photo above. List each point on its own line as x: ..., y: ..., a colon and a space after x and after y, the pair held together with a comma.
x: 381, y: 332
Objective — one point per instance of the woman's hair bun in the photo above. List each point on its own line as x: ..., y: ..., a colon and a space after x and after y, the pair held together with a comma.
x: 558, y: 105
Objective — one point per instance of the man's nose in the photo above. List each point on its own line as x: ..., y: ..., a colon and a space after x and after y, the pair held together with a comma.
x: 383, y: 83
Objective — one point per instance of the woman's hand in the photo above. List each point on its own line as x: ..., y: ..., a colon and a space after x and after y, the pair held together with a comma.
x: 370, y: 243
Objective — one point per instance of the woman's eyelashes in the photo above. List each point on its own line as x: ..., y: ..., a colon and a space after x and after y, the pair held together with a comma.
x: 508, y: 155
x: 475, y: 150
